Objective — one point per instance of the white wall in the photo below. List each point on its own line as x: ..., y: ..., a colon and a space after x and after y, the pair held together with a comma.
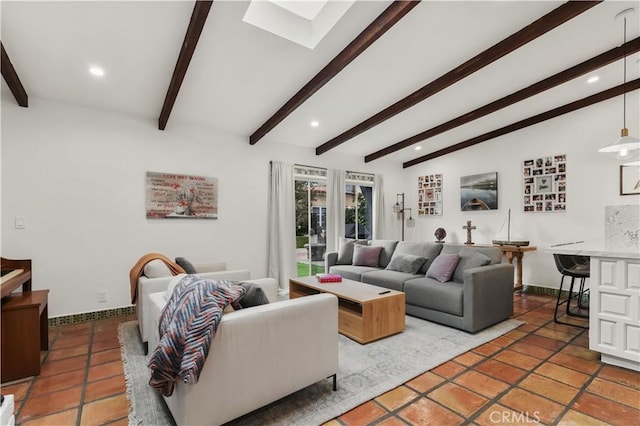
x: 592, y: 184
x: 77, y: 175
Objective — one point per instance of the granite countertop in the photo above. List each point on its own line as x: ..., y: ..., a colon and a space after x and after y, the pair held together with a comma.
x: 594, y: 248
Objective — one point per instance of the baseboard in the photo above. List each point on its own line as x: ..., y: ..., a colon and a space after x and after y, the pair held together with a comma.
x: 531, y: 289
x: 91, y: 316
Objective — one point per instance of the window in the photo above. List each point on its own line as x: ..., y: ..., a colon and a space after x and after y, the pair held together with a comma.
x: 358, y: 206
x: 311, y: 214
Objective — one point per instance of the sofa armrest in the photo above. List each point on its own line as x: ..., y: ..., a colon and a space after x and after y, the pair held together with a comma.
x: 487, y: 295
x: 330, y: 259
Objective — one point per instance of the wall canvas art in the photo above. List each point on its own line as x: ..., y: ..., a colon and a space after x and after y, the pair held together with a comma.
x: 479, y: 192
x: 629, y: 180
x: 169, y: 195
x: 430, y: 195
x: 544, y: 182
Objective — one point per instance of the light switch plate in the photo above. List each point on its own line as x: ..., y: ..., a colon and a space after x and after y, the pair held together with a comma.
x: 21, y: 222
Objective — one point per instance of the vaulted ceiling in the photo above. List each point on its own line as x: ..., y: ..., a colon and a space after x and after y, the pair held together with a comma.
x: 387, y: 77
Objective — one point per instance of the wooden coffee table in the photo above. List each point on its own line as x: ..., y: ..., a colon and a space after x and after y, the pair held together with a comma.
x: 364, y: 314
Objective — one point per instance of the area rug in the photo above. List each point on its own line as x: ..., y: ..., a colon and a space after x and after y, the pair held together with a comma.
x: 365, y: 371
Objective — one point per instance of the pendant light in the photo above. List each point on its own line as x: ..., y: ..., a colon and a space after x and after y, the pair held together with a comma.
x: 623, y: 147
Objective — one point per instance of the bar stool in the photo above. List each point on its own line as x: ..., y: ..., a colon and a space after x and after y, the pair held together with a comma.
x: 573, y: 266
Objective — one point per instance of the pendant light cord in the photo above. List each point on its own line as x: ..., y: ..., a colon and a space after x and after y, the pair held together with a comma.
x: 624, y: 78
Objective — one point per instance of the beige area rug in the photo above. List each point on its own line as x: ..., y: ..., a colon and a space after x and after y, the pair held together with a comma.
x: 365, y: 371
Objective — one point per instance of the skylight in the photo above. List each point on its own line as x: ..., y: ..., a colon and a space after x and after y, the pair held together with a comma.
x: 303, y: 22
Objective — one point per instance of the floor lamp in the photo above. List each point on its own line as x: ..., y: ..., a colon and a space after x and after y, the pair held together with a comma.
x: 399, y: 208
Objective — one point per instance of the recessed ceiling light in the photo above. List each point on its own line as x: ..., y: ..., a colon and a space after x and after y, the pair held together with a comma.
x: 315, y: 123
x: 418, y: 148
x: 593, y: 79
x: 96, y: 71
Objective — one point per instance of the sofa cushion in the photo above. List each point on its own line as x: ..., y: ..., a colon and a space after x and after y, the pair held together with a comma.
x: 388, y: 247
x: 427, y: 250
x: 429, y: 293
x: 351, y: 272
x: 186, y: 265
x: 386, y: 278
x: 156, y: 269
x: 366, y: 256
x: 172, y: 284
x: 493, y: 253
x: 443, y: 267
x: 345, y: 250
x: 210, y: 267
x: 469, y: 258
x: 407, y: 263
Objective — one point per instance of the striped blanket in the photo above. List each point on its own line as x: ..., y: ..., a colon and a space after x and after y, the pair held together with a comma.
x: 188, y: 324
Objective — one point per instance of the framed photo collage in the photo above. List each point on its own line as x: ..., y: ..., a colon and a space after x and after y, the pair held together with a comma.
x: 545, y: 184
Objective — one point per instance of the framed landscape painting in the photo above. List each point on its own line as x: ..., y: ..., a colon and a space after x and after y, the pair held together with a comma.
x: 479, y: 192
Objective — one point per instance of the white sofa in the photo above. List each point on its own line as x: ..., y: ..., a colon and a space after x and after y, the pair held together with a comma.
x: 258, y: 355
x: 156, y: 277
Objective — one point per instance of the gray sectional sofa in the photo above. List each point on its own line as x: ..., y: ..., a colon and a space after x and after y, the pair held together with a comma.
x: 479, y: 293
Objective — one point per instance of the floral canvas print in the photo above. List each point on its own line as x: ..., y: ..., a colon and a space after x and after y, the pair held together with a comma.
x: 170, y: 195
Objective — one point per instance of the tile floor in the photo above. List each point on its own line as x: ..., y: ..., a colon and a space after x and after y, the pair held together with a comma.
x: 541, y: 372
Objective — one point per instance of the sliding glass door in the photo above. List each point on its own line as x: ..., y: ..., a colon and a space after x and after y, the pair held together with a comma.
x: 311, y: 224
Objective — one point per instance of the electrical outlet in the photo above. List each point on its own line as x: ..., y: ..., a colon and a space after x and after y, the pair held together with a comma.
x: 102, y: 296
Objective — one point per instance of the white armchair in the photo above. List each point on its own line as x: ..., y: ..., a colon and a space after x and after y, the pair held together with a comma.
x: 156, y: 278
x: 258, y: 355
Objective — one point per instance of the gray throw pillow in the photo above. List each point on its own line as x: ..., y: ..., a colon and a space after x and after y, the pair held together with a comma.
x: 186, y: 265
x: 469, y: 258
x: 407, y: 263
x: 253, y: 296
x: 345, y: 250
x: 443, y: 266
x: 366, y: 256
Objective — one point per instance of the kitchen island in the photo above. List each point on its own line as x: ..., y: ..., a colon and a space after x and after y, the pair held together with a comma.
x: 614, y: 310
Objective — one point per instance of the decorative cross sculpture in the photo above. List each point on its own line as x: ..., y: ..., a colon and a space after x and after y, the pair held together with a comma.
x: 469, y: 228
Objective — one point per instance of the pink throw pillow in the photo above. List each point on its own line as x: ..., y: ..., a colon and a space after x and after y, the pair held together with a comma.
x: 366, y: 255
x: 443, y: 267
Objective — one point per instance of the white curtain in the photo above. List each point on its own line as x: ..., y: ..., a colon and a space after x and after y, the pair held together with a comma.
x: 335, y: 208
x: 378, y: 207
x: 281, y: 256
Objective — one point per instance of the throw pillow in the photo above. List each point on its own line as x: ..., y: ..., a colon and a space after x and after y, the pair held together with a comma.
x: 443, y: 266
x: 407, y: 263
x: 156, y: 269
x: 366, y: 255
x: 186, y: 265
x: 345, y: 250
x: 469, y: 258
x: 172, y: 285
x: 253, y: 296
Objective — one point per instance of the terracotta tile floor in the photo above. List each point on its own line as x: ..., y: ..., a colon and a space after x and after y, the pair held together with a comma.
x: 541, y: 373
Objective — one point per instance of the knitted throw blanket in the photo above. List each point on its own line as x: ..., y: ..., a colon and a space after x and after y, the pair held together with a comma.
x: 138, y: 268
x: 188, y: 324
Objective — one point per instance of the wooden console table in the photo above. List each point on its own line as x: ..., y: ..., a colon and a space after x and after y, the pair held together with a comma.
x: 24, y: 327
x: 516, y: 252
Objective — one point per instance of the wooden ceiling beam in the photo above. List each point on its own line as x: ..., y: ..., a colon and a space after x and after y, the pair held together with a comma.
x: 194, y: 30
x: 11, y: 78
x: 387, y: 19
x: 585, y: 67
x: 556, y: 112
x: 548, y: 22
